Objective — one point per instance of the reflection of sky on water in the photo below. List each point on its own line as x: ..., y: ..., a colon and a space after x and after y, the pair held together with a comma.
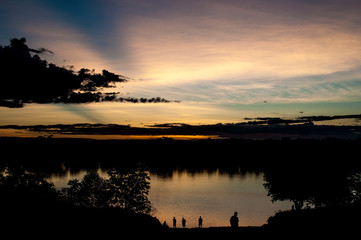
x: 213, y: 196
x: 61, y: 181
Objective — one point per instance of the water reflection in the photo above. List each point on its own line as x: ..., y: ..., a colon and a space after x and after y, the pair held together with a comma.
x: 213, y: 194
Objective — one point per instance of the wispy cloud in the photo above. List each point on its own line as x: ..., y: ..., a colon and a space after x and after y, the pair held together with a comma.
x: 226, y: 51
x: 240, y: 43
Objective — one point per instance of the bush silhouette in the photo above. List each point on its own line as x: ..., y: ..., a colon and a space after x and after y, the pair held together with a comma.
x: 23, y: 190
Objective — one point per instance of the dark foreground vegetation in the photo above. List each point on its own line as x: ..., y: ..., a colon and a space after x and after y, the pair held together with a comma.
x: 331, y: 220
x: 30, y: 205
x: 320, y: 177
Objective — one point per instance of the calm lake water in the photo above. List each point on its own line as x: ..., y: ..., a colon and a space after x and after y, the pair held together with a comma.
x: 212, y: 195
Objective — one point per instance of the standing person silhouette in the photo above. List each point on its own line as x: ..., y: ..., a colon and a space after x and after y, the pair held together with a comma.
x: 234, y: 220
x: 174, y: 222
x: 183, y: 223
x: 200, y: 222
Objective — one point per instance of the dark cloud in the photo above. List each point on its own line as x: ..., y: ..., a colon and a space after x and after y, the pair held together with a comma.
x: 26, y: 78
x: 41, y: 50
x: 306, y: 119
x: 231, y: 130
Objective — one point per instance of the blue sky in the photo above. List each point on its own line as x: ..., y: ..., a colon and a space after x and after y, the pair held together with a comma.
x: 223, y: 59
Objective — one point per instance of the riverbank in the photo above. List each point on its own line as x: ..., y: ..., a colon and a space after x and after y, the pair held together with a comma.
x: 65, y: 221
x: 263, y: 232
x: 309, y: 222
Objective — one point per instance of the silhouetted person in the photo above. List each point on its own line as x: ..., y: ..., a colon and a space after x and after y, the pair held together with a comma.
x: 234, y: 220
x: 174, y: 222
x: 200, y: 222
x: 183, y: 222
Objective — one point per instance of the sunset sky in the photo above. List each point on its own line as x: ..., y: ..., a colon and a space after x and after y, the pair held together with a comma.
x: 224, y: 60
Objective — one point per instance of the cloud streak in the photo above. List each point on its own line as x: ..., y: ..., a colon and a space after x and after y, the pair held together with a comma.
x: 216, y: 42
x: 227, y: 51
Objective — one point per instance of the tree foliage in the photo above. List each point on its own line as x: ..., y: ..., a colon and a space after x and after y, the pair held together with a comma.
x: 124, y: 189
x: 130, y: 189
x: 92, y: 191
x: 21, y: 189
x: 312, y: 186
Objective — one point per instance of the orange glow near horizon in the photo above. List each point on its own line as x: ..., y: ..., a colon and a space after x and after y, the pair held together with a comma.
x: 30, y: 134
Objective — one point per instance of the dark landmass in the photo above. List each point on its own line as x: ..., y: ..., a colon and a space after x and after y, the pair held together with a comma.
x: 167, y: 153
x: 111, y: 223
x: 300, y: 170
x: 45, y: 222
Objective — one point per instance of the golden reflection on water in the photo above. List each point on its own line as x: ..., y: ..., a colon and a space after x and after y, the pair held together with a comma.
x: 214, y: 196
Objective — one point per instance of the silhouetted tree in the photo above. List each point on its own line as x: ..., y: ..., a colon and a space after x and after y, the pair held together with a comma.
x: 316, y: 186
x: 331, y: 188
x: 93, y: 191
x: 127, y: 189
x: 20, y: 189
x: 286, y: 185
x: 131, y: 189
